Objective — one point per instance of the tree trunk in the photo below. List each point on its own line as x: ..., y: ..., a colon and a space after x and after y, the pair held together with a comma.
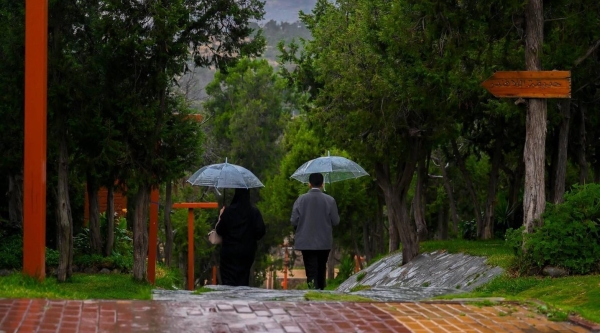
x: 469, y: 183
x: 451, y: 202
x: 140, y: 232
x: 168, y: 224
x: 558, y: 190
x: 418, y: 202
x: 367, y: 245
x: 64, y: 220
x: 534, y: 198
x: 442, y: 225
x: 331, y: 263
x: 15, y: 200
x: 487, y: 232
x: 94, y: 223
x: 395, y: 194
x: 110, y: 221
x: 581, y: 158
x: 379, y: 233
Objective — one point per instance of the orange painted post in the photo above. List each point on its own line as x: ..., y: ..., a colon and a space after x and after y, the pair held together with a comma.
x: 214, y: 275
x: 153, y: 236
x: 191, y: 249
x: 356, y: 264
x: 190, y: 207
x: 34, y: 177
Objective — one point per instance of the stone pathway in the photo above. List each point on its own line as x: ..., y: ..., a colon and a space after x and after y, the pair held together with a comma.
x: 46, y: 316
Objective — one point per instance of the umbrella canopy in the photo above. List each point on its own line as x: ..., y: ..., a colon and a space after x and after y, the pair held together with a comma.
x: 225, y: 175
x: 333, y: 168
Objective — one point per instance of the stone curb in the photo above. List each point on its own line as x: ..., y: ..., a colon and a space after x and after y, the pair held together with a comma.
x: 593, y: 327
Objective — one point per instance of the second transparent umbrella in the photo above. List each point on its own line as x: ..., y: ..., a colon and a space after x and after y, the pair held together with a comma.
x: 225, y: 175
x: 333, y: 168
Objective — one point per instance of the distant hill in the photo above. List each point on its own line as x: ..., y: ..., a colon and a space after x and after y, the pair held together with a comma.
x: 193, y: 84
x: 286, y: 10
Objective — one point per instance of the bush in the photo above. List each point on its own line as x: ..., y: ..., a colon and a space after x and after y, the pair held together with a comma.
x: 569, y: 237
x: 468, y: 229
x: 11, y: 252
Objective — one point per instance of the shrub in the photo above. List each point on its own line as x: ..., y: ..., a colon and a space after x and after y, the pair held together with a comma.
x: 468, y: 229
x: 11, y: 252
x: 569, y: 237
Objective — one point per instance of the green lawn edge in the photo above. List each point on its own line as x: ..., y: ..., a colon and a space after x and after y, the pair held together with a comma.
x: 578, y: 295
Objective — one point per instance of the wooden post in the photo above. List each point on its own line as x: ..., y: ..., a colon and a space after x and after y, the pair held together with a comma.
x: 214, y: 275
x: 153, y: 236
x: 34, y: 177
x: 356, y: 264
x: 191, y: 249
x: 190, y: 207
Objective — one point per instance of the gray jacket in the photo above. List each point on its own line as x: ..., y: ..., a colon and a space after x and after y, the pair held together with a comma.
x: 314, y: 214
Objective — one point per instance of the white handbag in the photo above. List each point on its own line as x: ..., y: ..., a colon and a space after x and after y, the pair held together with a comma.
x: 213, y: 237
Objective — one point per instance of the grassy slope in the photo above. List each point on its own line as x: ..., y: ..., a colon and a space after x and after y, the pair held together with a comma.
x: 579, y: 294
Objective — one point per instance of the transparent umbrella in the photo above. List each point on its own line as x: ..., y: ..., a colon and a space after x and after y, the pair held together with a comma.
x: 225, y: 175
x: 333, y: 168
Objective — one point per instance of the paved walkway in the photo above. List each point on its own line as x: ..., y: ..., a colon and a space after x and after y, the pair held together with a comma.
x: 45, y: 316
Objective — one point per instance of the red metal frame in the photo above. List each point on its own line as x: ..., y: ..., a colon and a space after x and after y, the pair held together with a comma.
x: 190, y: 207
x: 34, y: 177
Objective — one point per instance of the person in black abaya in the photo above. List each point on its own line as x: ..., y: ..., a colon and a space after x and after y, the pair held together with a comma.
x: 240, y: 225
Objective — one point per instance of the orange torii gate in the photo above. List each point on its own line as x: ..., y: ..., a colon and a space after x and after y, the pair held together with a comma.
x: 190, y: 207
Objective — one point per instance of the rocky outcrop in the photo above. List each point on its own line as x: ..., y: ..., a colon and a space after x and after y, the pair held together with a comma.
x: 428, y: 275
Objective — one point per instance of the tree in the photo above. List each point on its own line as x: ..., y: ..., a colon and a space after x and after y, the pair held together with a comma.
x: 248, y: 106
x: 142, y: 58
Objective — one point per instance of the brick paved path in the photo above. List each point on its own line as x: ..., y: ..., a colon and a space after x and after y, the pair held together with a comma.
x: 45, y: 316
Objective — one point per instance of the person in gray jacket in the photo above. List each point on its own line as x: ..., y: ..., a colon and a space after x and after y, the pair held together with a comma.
x: 313, y: 217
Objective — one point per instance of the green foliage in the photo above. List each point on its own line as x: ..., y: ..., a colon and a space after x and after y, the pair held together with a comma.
x: 359, y: 288
x: 11, y: 252
x: 123, y: 242
x: 345, y: 269
x: 468, y: 229
x: 52, y: 257
x: 360, y: 276
x: 569, y: 237
x: 496, y: 251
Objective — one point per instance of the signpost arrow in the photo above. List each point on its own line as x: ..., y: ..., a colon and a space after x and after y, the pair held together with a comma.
x: 530, y: 84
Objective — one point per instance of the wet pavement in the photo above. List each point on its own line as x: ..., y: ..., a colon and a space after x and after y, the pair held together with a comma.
x: 222, y: 316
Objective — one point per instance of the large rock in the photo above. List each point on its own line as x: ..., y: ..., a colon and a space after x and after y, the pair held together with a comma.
x: 5, y: 272
x: 554, y: 271
x: 433, y: 274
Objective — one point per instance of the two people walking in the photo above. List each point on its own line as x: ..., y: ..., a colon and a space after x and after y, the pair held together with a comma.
x: 241, y: 225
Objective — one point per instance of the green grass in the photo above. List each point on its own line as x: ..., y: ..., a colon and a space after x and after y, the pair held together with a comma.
x: 319, y: 296
x: 497, y: 253
x: 202, y: 290
x: 572, y: 294
x: 359, y: 288
x: 82, y: 286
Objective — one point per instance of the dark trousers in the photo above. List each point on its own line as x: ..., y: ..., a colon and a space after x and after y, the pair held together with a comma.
x: 315, y: 264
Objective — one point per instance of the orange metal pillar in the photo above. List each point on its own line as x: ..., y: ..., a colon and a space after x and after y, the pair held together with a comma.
x: 153, y: 236
x: 191, y: 249
x: 214, y: 275
x: 34, y: 178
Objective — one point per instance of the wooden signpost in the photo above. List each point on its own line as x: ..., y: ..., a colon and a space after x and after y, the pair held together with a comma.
x: 530, y: 84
